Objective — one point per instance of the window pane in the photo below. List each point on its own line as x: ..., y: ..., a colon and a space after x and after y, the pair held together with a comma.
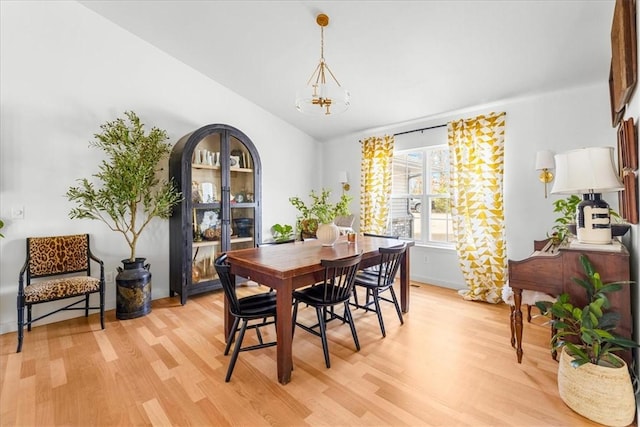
x: 439, y: 169
x: 440, y: 225
x: 419, y: 207
x: 402, y: 223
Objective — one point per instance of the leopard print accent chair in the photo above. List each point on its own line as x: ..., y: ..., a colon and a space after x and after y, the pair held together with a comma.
x: 62, y: 265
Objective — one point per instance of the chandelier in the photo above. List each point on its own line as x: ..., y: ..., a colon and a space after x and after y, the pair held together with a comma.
x: 322, y: 94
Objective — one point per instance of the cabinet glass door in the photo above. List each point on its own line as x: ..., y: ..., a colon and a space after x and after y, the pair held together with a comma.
x: 206, y: 190
x: 242, y: 195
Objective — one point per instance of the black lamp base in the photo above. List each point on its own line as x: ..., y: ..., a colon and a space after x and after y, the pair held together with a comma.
x: 593, y: 220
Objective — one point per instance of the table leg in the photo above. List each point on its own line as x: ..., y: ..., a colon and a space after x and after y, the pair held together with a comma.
x: 517, y: 320
x: 404, y: 282
x: 284, y: 331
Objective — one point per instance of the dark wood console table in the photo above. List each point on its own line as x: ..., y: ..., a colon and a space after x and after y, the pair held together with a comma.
x: 550, y: 270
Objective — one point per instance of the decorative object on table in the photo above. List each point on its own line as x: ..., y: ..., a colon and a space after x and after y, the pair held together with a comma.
x: 544, y: 163
x: 323, y: 212
x: 130, y: 196
x: 628, y: 170
x: 282, y: 232
x: 322, y: 95
x: 592, y: 380
x: 623, y: 74
x: 588, y: 171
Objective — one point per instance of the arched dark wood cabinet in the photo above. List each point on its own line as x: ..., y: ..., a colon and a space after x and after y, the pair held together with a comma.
x: 218, y: 170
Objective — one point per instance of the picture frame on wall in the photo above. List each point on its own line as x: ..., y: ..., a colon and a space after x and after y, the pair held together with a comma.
x: 628, y: 169
x: 623, y: 74
x: 616, y: 116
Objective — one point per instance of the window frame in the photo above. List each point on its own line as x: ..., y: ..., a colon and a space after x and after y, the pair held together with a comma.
x: 425, y: 218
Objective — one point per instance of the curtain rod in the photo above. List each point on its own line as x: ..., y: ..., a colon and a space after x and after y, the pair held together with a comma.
x: 420, y: 130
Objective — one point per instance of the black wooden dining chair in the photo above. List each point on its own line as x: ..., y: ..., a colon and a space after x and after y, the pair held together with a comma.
x: 377, y: 282
x: 375, y: 268
x: 335, y: 289
x: 259, y: 307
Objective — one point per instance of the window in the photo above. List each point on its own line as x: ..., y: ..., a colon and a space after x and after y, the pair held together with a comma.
x: 420, y: 208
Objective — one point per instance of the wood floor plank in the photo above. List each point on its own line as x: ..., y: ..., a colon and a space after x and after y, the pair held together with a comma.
x: 450, y: 364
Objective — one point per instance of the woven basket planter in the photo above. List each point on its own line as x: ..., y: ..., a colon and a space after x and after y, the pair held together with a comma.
x: 600, y: 393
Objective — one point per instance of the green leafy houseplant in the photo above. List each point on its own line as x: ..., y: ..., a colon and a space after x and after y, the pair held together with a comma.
x: 282, y: 232
x: 1, y: 225
x: 567, y: 209
x: 320, y: 208
x: 587, y: 331
x: 130, y: 194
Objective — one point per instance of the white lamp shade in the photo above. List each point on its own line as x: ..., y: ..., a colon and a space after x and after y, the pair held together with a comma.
x: 586, y: 170
x: 342, y: 177
x: 544, y: 160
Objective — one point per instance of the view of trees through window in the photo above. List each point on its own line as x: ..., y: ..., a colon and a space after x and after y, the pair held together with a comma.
x: 420, y: 207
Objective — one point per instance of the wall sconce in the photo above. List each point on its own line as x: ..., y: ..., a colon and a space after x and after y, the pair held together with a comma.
x: 544, y: 162
x: 342, y: 179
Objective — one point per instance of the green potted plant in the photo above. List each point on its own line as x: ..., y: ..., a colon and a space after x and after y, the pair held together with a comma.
x: 320, y: 211
x: 129, y: 195
x: 282, y: 233
x: 565, y: 222
x: 592, y: 380
x: 1, y: 226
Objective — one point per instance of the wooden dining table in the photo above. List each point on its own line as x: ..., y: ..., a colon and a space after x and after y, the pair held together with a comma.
x: 285, y: 267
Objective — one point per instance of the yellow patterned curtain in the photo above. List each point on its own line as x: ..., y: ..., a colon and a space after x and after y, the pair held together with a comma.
x: 375, y: 178
x: 477, y: 168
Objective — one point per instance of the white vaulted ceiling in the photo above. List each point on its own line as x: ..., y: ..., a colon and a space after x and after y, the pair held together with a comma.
x: 401, y: 60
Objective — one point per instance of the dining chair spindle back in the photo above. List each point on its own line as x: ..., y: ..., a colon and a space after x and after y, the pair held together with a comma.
x: 335, y: 289
x: 258, y: 307
x: 380, y: 280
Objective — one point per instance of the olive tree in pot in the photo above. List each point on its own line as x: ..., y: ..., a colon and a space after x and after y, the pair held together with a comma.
x: 592, y: 380
x: 129, y: 195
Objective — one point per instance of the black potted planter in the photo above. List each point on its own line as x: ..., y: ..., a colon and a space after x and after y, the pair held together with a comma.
x: 133, y: 294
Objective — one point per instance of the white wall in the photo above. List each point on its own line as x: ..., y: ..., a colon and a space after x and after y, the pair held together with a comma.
x: 64, y: 71
x: 557, y: 121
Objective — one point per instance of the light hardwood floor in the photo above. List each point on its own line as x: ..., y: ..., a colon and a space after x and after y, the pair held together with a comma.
x: 451, y: 364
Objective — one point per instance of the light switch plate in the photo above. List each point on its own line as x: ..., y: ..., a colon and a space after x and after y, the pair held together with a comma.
x: 17, y: 212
